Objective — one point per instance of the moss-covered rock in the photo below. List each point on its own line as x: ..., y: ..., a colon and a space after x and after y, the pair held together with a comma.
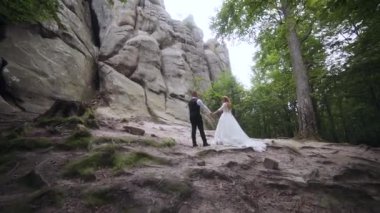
x: 85, y: 116
x: 109, y: 156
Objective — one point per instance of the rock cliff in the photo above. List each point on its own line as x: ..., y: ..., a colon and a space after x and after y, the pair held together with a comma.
x: 134, y: 54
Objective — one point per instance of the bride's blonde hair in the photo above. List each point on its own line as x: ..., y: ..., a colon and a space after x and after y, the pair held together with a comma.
x: 227, y: 100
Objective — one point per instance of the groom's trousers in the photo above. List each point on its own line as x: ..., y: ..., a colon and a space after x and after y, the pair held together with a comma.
x: 197, y: 121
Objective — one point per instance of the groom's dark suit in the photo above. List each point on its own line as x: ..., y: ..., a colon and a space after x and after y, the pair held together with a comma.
x: 196, y: 121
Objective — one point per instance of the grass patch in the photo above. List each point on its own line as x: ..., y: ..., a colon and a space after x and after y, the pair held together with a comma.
x: 108, y: 157
x: 23, y: 144
x: 165, y: 142
x: 141, y: 158
x: 80, y: 139
x: 87, y: 119
x: 111, y: 140
x: 56, y: 121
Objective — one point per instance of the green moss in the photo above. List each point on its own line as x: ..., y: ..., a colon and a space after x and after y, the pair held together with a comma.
x: 140, y: 158
x: 80, y: 139
x: 166, y: 142
x: 112, y: 140
x: 55, y: 121
x: 24, y: 144
x: 87, y: 165
x: 87, y: 119
x: 108, y: 157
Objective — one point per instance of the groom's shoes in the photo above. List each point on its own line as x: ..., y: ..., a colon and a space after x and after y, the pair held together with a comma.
x: 206, y: 144
x: 195, y: 145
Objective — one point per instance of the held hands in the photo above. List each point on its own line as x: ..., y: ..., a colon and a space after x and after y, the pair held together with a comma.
x: 213, y: 113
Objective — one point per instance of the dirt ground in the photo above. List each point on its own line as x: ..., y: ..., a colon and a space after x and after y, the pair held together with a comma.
x: 310, y: 176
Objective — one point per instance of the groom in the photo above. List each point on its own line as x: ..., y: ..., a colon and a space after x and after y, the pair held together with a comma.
x: 195, y: 105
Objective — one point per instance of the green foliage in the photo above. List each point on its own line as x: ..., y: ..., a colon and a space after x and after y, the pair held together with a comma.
x: 237, y: 18
x: 226, y: 85
x: 28, y: 11
x: 341, y: 51
x: 197, y: 83
x: 112, y: 2
x: 31, y: 11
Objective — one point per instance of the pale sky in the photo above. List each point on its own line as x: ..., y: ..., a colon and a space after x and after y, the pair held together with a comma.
x: 241, y: 53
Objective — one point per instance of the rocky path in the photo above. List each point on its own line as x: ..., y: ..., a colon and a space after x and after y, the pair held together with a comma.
x: 290, y: 176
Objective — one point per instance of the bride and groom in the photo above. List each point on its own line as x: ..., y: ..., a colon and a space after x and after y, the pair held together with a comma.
x: 228, y: 131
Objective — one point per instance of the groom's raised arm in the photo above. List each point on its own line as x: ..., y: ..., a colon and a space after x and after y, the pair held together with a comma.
x: 203, y: 106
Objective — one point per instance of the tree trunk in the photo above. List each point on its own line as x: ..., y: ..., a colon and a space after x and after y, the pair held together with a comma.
x: 306, y: 117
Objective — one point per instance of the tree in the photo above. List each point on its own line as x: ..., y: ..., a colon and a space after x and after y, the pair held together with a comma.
x: 241, y: 18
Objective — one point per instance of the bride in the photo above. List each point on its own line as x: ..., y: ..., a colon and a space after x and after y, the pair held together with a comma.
x: 229, y: 132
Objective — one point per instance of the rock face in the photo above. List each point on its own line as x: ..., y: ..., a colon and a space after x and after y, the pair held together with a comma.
x: 47, y: 62
x: 146, y: 62
x: 165, y: 57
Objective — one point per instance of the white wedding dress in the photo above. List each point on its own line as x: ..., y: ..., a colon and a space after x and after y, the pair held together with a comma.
x: 228, y: 132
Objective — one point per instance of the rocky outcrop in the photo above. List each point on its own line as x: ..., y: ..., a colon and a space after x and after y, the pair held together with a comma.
x: 217, y: 58
x: 47, y: 62
x: 145, y: 62
x: 165, y: 57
